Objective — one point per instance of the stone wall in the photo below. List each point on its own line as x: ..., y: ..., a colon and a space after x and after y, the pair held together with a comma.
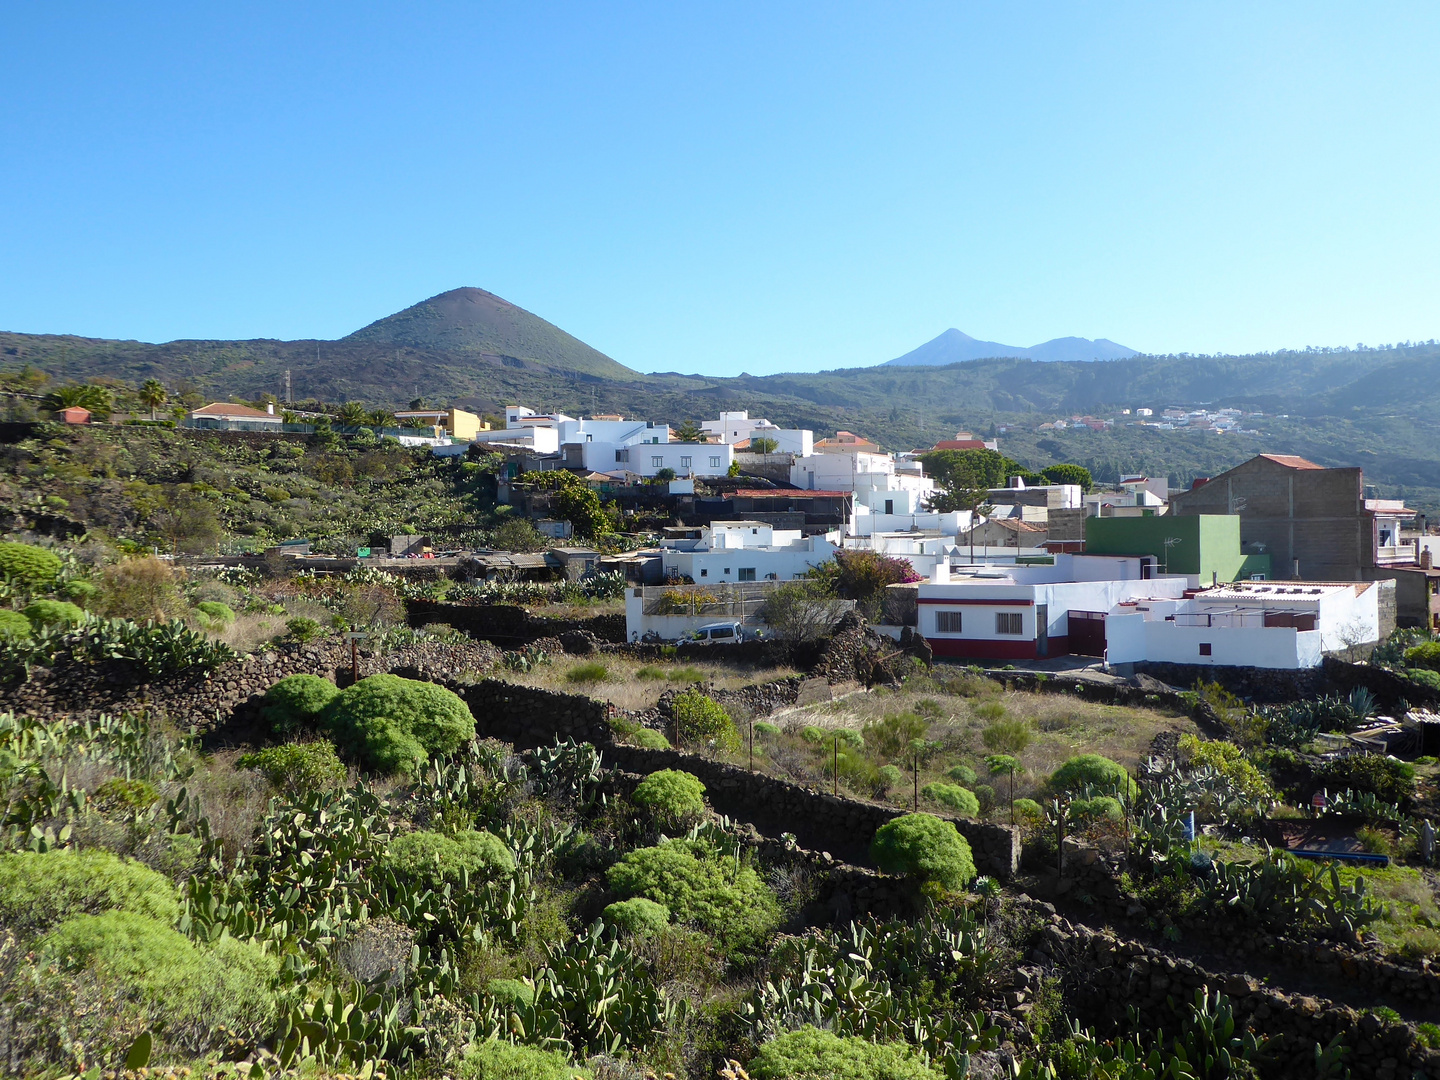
x: 1109, y: 975
x: 507, y: 625
x: 528, y: 717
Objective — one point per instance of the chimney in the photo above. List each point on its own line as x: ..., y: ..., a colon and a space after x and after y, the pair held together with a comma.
x: 270, y: 407
x: 941, y: 574
x: 1427, y: 561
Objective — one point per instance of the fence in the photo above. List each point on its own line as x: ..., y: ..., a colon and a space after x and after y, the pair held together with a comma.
x: 740, y: 601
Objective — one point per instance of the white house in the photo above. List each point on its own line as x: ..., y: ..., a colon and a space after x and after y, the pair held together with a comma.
x: 1279, y: 624
x: 739, y: 427
x: 875, y: 479
x: 744, y: 551
x: 609, y: 444
x: 1028, y: 612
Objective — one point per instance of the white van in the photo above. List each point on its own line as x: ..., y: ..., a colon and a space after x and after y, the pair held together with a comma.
x: 727, y: 632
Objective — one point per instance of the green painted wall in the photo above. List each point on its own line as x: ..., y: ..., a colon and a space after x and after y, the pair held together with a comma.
x: 1204, y: 545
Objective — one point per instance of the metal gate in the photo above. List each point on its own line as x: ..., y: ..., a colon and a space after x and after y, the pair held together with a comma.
x: 1087, y: 633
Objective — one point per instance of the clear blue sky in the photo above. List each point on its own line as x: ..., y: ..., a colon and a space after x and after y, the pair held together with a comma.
x: 726, y: 187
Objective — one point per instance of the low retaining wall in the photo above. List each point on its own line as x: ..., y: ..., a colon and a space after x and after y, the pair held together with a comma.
x: 508, y: 625
x: 529, y: 717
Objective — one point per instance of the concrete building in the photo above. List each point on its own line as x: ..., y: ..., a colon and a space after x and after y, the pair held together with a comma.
x: 1050, y: 496
x: 1313, y: 522
x: 1029, y: 612
x: 728, y: 551
x: 1204, y: 547
x: 738, y: 428
x: 1279, y: 625
x: 228, y: 415
x: 454, y: 423
x: 877, y: 480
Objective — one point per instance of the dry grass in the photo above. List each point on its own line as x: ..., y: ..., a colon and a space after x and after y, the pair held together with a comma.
x: 623, y: 685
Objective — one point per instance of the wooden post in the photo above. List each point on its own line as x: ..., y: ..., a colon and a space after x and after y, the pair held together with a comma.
x: 752, y: 744
x: 835, y: 763
x: 354, y: 661
x: 915, y: 772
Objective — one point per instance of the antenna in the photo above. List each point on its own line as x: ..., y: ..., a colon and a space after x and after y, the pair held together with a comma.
x: 1169, y: 542
x: 288, y: 392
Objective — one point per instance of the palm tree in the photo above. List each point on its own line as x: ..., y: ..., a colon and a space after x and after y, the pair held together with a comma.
x: 381, y: 418
x: 97, y: 399
x: 152, y: 395
x: 354, y: 414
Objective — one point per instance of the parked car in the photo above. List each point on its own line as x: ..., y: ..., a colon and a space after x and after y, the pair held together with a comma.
x: 721, y: 631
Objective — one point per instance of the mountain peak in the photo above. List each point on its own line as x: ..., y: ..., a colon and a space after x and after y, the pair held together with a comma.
x: 954, y: 346
x: 475, y: 322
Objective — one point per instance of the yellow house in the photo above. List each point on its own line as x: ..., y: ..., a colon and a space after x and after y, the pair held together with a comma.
x: 457, y: 423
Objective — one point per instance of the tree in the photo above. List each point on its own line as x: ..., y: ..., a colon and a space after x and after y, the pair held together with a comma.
x: 802, y: 610
x: 152, y: 395
x: 863, y: 576
x: 354, y: 414
x: 97, y: 399
x: 517, y: 534
x: 381, y: 418
x: 1069, y: 474
x: 763, y: 445
x: 574, y: 500
x: 690, y: 431
x: 1005, y: 765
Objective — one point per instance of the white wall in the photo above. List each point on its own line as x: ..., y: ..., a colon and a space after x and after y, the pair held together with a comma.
x: 647, y: 459
x: 1279, y: 647
x: 1060, y: 599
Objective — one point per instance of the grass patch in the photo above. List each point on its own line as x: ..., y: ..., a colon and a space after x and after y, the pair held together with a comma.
x: 592, y: 671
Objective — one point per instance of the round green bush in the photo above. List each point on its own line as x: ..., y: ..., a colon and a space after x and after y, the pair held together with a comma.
x: 1029, y: 809
x: 637, y: 916
x: 436, y: 858
x: 849, y: 738
x: 296, y: 702
x: 766, y: 730
x: 924, y: 847
x: 1100, y: 808
x: 953, y: 797
x: 495, y: 1060
x: 154, y: 974
x: 511, y: 993
x: 812, y: 1054
x: 13, y: 625
x: 57, y: 613
x: 303, y: 629
x: 962, y: 775
x: 674, y: 799
x: 812, y: 734
x: 214, y: 615
x: 700, y: 886
x: 38, y: 890
x: 80, y: 591
x: 25, y: 564
x: 701, y: 719
x: 650, y: 739
x: 298, y: 768
x: 1424, y: 655
x: 891, y: 777
x: 391, y: 725
x: 1093, y: 770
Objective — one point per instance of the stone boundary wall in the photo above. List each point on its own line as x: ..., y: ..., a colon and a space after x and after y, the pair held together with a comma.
x: 1111, y: 974
x: 508, y: 625
x: 823, y: 822
x: 529, y: 717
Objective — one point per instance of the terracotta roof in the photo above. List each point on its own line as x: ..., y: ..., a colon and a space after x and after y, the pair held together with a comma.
x: 1290, y: 461
x: 960, y: 444
x: 791, y: 493
x: 229, y: 408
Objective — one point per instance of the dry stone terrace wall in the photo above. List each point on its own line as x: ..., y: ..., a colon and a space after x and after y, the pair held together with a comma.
x: 508, y: 625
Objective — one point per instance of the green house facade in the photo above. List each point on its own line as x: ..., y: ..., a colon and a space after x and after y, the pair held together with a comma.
x: 1206, y: 546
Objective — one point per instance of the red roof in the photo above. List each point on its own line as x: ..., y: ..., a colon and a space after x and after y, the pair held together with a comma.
x: 1290, y: 461
x: 960, y: 444
x: 789, y: 493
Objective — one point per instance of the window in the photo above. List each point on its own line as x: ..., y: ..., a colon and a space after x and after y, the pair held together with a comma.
x: 889, y: 506
x: 704, y: 573
x: 657, y: 462
x: 949, y: 622
x: 747, y: 573
x: 727, y: 571
x: 622, y: 455
x: 1205, y: 649
x: 715, y: 461
x: 1009, y: 622
x: 684, y: 462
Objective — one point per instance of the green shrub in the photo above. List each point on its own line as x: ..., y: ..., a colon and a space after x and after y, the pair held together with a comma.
x: 890, y: 737
x: 1029, y: 809
x: 1230, y: 762
x: 57, y: 613
x: 953, y: 797
x: 674, y: 799
x: 849, y: 738
x: 812, y: 734
x: 700, y: 886
x: 990, y: 710
x: 812, y: 1054
x: 985, y: 796
x: 1095, y: 771
x: 649, y: 739
x: 80, y: 591
x: 161, y: 979
x: 391, y: 725
x: 766, y: 730
x: 302, y: 629
x: 296, y: 702
x: 13, y: 625
x: 298, y: 768
x: 637, y: 916
x: 701, y: 719
x: 214, y: 615
x: 495, y: 1060
x: 1425, y: 655
x: 891, y: 777
x: 511, y: 993
x: 962, y: 775
x: 1388, y: 780
x: 650, y: 673
x: 27, y: 565
x: 592, y: 671
x: 38, y: 890
x: 924, y: 847
x: 436, y: 858
x: 1100, y: 808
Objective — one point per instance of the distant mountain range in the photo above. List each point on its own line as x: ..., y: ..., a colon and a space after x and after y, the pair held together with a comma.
x: 953, y: 346
x: 470, y: 348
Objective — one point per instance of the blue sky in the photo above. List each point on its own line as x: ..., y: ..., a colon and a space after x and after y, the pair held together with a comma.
x: 718, y: 188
